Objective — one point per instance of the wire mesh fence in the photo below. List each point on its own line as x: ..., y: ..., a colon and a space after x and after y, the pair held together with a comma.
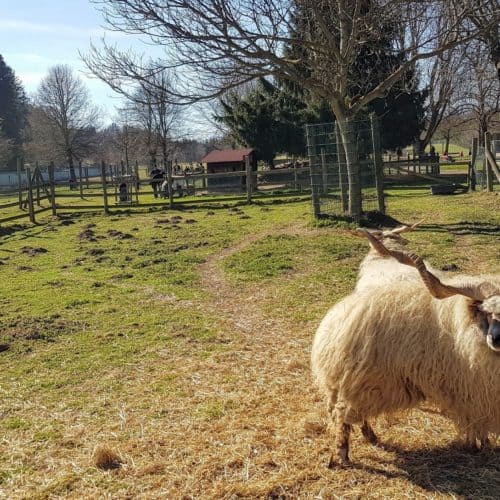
x: 328, y: 167
x: 480, y: 167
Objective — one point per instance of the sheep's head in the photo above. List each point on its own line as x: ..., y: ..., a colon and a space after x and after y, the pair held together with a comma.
x: 390, y: 237
x: 489, y: 312
x: 484, y: 297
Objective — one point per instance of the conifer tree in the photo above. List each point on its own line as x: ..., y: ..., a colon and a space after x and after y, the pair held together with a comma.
x: 13, y: 112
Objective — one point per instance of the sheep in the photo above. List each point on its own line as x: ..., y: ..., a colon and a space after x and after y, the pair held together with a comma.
x: 394, y: 344
x: 375, y: 268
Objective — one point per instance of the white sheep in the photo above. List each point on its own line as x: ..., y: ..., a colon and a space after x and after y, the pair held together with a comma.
x: 375, y: 268
x: 395, y: 343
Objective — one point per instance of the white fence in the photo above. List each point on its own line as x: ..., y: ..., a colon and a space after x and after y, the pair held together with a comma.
x: 8, y: 178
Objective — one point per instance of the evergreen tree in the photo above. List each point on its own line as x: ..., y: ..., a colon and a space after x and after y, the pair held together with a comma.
x: 13, y: 111
x: 266, y: 119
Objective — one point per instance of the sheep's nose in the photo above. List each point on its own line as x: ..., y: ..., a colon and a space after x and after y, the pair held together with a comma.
x: 494, y: 331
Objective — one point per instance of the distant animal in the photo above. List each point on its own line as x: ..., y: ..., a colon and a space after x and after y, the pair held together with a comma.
x: 404, y: 337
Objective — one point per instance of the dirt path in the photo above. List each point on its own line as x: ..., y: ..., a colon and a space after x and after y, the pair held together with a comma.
x: 239, y: 306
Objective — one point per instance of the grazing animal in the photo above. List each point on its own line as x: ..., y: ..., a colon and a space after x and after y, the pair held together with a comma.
x: 396, y: 342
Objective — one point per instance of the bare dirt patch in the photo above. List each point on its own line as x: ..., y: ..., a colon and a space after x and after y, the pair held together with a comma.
x: 87, y: 234
x: 38, y: 328
x: 114, y: 233
x: 33, y: 251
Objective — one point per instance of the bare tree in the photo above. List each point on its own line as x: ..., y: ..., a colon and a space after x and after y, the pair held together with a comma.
x: 141, y: 108
x: 442, y: 99
x: 483, y: 12
x: 65, y: 105
x: 157, y: 112
x: 127, y: 137
x: 450, y: 129
x: 224, y: 43
x: 479, y: 90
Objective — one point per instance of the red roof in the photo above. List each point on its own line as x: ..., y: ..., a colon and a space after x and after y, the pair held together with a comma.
x: 227, y: 155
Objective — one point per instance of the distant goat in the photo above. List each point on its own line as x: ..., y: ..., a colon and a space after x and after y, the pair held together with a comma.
x: 396, y: 342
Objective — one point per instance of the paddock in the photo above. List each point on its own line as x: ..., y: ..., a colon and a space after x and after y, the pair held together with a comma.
x: 179, y: 340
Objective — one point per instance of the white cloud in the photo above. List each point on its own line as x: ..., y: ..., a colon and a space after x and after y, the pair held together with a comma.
x: 56, y: 29
x: 30, y: 78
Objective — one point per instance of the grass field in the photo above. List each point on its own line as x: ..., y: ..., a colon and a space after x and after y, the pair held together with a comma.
x: 178, y: 343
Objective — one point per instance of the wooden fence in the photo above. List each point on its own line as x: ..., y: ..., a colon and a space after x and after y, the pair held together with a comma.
x: 117, y: 188
x: 39, y: 193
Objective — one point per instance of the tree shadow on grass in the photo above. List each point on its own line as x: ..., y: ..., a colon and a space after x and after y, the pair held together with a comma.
x: 464, y: 228
x: 446, y: 470
x: 461, y: 228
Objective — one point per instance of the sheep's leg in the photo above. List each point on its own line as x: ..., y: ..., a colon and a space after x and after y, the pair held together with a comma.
x: 471, y: 443
x: 342, y: 416
x: 368, y: 433
x: 341, y: 445
x: 484, y: 442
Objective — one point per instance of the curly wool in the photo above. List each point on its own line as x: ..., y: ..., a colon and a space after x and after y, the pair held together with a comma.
x: 391, y: 345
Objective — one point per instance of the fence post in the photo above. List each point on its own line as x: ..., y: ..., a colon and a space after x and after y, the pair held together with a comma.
x: 52, y: 188
x: 80, y: 175
x: 248, y: 171
x: 168, y: 166
x: 31, y: 209
x: 378, y: 162
x: 472, y: 165
x: 37, y: 181
x: 87, y: 177
x: 491, y: 160
x: 104, y: 188
x: 295, y: 178
x: 19, y: 182
x: 137, y: 181
x: 341, y: 160
x: 489, y: 170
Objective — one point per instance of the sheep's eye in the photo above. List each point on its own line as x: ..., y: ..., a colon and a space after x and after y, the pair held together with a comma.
x: 483, y: 318
x: 484, y: 322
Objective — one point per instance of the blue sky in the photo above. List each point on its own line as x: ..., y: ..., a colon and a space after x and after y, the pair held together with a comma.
x: 38, y: 34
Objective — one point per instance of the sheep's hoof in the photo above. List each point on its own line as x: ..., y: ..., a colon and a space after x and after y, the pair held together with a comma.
x: 368, y: 433
x: 485, y: 444
x: 341, y: 459
x: 468, y: 446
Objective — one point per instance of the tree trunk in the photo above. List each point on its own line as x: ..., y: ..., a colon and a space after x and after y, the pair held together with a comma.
x: 343, y: 181
x: 127, y: 163
x: 482, y: 129
x: 168, y: 169
x: 347, y: 128
x: 420, y: 145
x: 152, y: 160
x: 447, y: 142
x: 72, y: 173
x: 495, y: 53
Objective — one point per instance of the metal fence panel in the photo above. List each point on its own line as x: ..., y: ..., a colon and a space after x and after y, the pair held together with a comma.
x: 329, y: 181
